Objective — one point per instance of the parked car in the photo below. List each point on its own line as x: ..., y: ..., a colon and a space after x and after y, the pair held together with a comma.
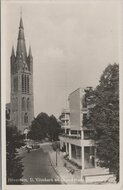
x: 28, y: 147
x: 35, y: 146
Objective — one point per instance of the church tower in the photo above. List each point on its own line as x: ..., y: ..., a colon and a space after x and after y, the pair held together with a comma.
x: 22, y: 106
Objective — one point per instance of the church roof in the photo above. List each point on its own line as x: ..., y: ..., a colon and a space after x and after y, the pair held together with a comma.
x: 21, y: 23
x: 21, y: 46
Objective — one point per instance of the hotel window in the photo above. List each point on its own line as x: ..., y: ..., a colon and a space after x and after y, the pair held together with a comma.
x: 73, y: 132
x: 84, y: 102
x: 84, y: 119
x: 67, y: 131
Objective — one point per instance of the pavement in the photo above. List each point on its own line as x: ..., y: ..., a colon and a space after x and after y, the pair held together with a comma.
x: 38, y: 168
x: 65, y: 172
x: 91, y: 176
x: 46, y: 164
x: 41, y: 164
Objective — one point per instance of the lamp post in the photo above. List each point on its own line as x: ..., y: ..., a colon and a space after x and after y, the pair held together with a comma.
x: 56, y: 157
x: 57, y: 149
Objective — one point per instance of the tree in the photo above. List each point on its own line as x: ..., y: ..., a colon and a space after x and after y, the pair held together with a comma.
x: 43, y: 127
x: 104, y: 116
x: 54, y: 128
x: 43, y: 119
x: 14, y: 140
x: 39, y: 127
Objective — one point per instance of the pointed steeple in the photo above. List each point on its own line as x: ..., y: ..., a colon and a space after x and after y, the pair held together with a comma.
x: 13, y: 52
x: 21, y: 22
x: 30, y: 52
x: 21, y: 30
x: 21, y: 46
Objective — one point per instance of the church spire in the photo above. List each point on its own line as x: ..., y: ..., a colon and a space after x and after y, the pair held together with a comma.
x: 21, y: 46
x: 21, y: 22
x: 13, y: 52
x: 30, y: 52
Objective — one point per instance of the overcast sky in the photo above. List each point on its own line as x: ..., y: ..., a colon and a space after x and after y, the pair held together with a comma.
x: 72, y: 43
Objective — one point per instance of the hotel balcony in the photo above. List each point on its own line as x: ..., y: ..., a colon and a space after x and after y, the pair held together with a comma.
x: 65, y: 126
x: 65, y: 118
x: 85, y: 110
x: 76, y: 140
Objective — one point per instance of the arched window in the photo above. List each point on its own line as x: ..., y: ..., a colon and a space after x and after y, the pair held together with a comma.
x: 25, y: 118
x: 15, y: 84
x: 27, y: 84
x: 28, y: 104
x: 22, y: 83
x: 16, y: 104
x: 23, y: 104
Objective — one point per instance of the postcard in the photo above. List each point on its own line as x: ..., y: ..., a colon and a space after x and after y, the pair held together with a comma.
x: 61, y: 94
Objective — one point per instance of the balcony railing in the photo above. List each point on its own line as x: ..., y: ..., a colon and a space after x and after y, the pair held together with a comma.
x: 65, y: 126
x: 89, y: 137
x: 65, y: 118
x: 76, y: 140
x: 84, y: 109
x: 71, y: 136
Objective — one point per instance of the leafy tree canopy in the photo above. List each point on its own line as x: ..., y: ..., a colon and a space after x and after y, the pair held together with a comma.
x: 14, y: 140
x: 44, y: 126
x: 104, y: 117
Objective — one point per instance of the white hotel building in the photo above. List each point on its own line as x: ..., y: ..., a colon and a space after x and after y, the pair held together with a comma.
x: 76, y: 140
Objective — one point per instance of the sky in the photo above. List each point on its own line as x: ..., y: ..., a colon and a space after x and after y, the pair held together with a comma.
x: 72, y: 43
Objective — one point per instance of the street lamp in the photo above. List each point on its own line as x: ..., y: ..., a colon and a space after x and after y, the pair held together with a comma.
x: 56, y: 149
x: 56, y: 156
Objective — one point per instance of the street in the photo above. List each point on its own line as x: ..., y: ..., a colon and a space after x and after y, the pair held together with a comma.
x: 38, y: 168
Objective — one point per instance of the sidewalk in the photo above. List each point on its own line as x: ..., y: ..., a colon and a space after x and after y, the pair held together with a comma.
x: 64, y: 172
x: 92, y: 176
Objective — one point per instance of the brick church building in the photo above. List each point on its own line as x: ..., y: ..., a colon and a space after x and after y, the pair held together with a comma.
x: 22, y: 103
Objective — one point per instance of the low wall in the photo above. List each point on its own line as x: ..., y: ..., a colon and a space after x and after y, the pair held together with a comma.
x: 100, y: 178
